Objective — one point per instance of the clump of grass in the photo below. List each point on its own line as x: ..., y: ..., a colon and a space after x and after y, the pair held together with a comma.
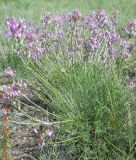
x: 94, y: 103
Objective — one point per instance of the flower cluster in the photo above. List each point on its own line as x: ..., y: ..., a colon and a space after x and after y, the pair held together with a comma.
x: 8, y: 72
x: 32, y: 45
x: 15, y: 28
x: 74, y: 15
x: 78, y: 37
x: 45, y: 18
x: 13, y: 90
x: 131, y: 28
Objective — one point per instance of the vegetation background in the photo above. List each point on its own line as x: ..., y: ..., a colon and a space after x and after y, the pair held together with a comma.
x: 32, y: 9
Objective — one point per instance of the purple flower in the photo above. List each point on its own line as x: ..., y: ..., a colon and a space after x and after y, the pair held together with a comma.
x: 101, y: 14
x: 102, y: 18
x: 45, y: 18
x: 13, y: 90
x: 86, y: 21
x: 58, y: 20
x: 59, y: 34
x: 79, y: 42
x: 114, y: 36
x: 64, y: 16
x: 48, y: 133
x: 123, y: 43
x: 89, y: 21
x: 50, y: 36
x: 40, y: 142
x: 85, y: 45
x: 69, y: 55
x: 94, y: 43
x: 10, y: 26
x: 74, y: 15
x: 10, y: 92
x: 34, y: 53
x: 130, y: 48
x: 15, y: 28
x: 81, y: 34
x: 110, y: 36
x: 111, y: 50
x: 130, y: 29
x: 8, y: 72
x: 30, y: 35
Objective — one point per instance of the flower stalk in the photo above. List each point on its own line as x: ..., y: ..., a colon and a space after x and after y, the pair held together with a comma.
x: 5, y: 132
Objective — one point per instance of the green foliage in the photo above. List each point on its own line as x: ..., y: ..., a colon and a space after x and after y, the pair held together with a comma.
x: 18, y: 8
x: 95, y: 108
